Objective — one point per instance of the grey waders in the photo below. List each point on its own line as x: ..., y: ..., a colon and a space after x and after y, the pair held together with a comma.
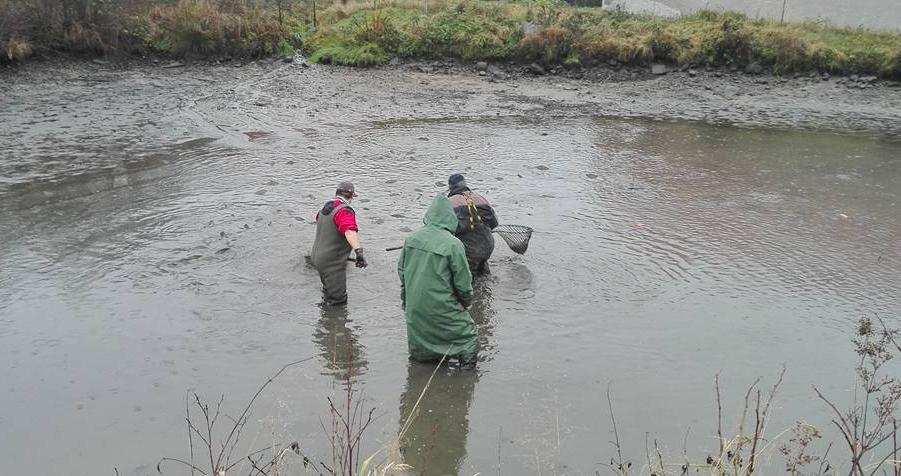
x: 329, y: 254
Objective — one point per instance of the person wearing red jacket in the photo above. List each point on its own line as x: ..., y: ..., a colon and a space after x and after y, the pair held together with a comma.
x: 337, y: 234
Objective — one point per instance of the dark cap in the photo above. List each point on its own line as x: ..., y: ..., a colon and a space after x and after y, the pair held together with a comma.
x: 346, y: 188
x: 456, y: 179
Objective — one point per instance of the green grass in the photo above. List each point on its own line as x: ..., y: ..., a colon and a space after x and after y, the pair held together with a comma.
x: 480, y: 30
x: 366, y: 34
x: 366, y: 54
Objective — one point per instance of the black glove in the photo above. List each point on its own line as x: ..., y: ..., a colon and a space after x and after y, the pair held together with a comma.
x: 361, y: 261
x: 464, y: 303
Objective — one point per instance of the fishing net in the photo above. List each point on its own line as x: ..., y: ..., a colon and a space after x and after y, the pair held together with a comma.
x: 516, y: 236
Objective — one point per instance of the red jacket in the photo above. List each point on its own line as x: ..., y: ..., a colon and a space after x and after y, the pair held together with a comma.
x: 345, y: 218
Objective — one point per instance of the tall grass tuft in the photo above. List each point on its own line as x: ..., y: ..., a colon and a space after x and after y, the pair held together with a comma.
x: 206, y: 28
x: 175, y: 28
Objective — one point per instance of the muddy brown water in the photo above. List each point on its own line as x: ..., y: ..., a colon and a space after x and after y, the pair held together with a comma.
x: 153, y: 244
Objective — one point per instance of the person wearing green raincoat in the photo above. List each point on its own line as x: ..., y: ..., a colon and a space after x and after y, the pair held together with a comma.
x: 436, y: 289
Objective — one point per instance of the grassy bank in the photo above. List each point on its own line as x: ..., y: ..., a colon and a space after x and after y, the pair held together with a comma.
x: 178, y: 28
x: 362, y: 34
x: 550, y: 33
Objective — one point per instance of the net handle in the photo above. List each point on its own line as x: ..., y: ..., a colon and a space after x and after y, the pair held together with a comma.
x: 499, y: 232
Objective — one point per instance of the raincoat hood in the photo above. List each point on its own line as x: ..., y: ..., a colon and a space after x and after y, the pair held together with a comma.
x: 441, y: 214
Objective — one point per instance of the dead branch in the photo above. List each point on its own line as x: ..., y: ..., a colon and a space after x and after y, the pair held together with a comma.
x: 647, y: 452
x: 719, y: 413
x: 760, y: 418
x: 659, y: 458
x: 210, y: 421
x: 687, y: 465
x: 890, y: 334
x: 744, y: 416
x: 824, y: 461
x: 619, y: 452
x: 895, y: 465
x: 252, y: 400
x: 159, y: 468
x: 190, y: 435
x: 844, y: 423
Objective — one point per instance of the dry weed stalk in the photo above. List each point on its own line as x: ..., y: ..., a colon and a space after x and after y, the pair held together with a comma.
x: 618, y: 465
x: 221, y: 453
x: 733, y: 453
x: 349, y: 420
x: 870, y: 420
x: 796, y: 450
x: 730, y: 458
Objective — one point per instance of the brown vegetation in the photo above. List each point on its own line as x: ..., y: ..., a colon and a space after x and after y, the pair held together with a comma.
x: 369, y: 33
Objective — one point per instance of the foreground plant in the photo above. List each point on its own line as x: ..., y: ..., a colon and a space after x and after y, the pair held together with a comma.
x: 220, y: 446
x: 348, y: 422
x: 868, y: 428
x: 736, y: 455
x: 869, y: 422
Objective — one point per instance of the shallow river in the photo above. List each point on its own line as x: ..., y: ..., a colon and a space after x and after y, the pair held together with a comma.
x: 163, y: 252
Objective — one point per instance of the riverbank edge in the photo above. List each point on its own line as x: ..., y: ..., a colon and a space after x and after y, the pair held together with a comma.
x: 492, y: 71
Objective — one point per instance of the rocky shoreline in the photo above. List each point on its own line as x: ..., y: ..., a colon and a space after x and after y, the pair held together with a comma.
x: 613, y: 70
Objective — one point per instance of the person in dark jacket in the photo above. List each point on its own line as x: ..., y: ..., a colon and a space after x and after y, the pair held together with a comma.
x: 336, y: 236
x: 476, y: 219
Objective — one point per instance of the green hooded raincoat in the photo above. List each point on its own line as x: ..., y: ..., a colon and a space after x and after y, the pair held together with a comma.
x: 436, y: 288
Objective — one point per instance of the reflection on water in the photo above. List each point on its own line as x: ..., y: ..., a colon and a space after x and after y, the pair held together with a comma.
x: 435, y: 442
x: 342, y: 354
x: 483, y: 315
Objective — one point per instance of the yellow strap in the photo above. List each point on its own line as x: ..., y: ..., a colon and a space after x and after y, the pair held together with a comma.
x: 473, y: 212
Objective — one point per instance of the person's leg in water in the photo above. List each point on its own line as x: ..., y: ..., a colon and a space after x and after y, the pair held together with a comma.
x: 334, y: 285
x: 483, y: 268
x: 477, y: 266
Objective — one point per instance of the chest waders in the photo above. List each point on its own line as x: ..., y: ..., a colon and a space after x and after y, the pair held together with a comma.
x: 329, y: 254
